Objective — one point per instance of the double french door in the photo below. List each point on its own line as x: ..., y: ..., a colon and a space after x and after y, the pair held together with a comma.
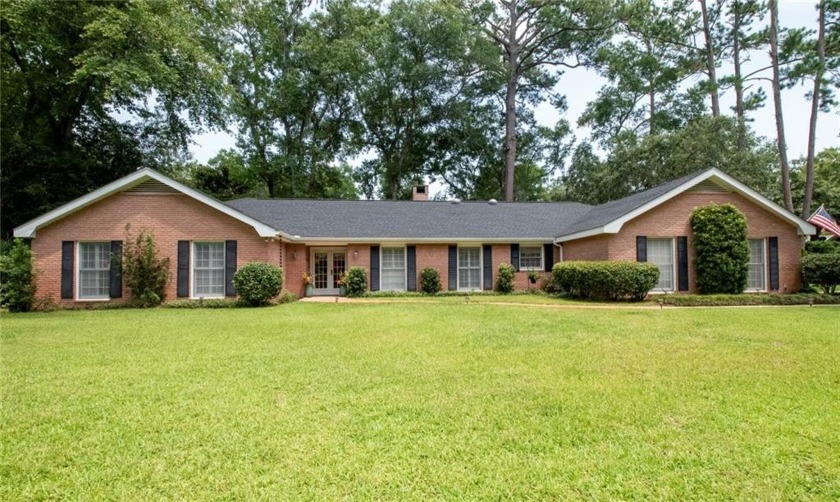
x: 328, y: 266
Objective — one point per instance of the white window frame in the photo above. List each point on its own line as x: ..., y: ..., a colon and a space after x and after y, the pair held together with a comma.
x: 763, y: 265
x: 404, y: 267
x: 193, y: 294
x: 541, y: 267
x: 78, y: 273
x: 674, y: 277
x: 480, y: 268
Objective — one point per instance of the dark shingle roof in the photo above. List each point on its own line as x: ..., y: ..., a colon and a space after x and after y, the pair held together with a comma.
x: 444, y: 220
x: 603, y: 214
x: 398, y: 219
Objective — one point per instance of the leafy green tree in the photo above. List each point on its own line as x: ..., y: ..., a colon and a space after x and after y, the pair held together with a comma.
x: 68, y: 75
x: 638, y: 163
x: 826, y: 180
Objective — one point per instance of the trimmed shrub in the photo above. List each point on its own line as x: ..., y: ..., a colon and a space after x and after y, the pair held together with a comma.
x: 748, y: 299
x: 605, y: 280
x: 504, y: 281
x: 822, y: 270
x: 822, y: 247
x: 430, y: 281
x: 721, y: 249
x: 256, y: 283
x: 144, y: 273
x: 356, y: 280
x: 17, y: 279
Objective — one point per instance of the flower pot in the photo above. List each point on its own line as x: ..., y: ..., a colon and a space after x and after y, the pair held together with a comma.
x: 308, y: 290
x: 342, y: 290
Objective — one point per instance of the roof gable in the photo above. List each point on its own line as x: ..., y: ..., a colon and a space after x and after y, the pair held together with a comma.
x: 609, y: 218
x: 143, y: 180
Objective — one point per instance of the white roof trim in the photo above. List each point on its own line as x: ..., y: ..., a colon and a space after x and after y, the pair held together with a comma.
x: 28, y: 229
x: 613, y: 227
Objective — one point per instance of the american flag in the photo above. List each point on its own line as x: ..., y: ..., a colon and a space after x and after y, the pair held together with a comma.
x: 822, y: 219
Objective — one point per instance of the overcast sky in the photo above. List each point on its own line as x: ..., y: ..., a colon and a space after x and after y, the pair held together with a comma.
x: 581, y: 86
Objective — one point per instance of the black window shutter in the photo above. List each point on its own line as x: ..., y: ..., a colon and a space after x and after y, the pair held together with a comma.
x: 453, y: 268
x: 183, y: 269
x: 115, y: 276
x: 548, y: 258
x: 67, y: 249
x: 230, y: 267
x: 374, y: 268
x: 514, y: 256
x: 411, y: 267
x: 488, y: 266
x: 682, y: 263
x: 641, y: 248
x: 773, y: 251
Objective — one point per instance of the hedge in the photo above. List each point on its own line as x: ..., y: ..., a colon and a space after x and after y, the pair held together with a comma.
x: 822, y: 270
x: 605, y: 280
x: 721, y: 249
x: 745, y: 299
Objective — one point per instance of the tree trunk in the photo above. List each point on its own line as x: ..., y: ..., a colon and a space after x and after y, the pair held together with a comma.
x: 739, y: 84
x: 777, y: 102
x: 815, y: 109
x: 710, y: 61
x: 510, y: 104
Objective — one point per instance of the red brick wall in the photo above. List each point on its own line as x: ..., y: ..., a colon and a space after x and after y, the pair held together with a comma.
x: 434, y: 256
x: 295, y: 263
x: 590, y: 249
x: 671, y: 219
x: 170, y: 217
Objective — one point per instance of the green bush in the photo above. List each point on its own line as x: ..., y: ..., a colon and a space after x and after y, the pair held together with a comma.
x: 144, y: 273
x: 204, y: 303
x: 356, y: 280
x: 504, y: 281
x: 430, y: 281
x: 822, y: 247
x: 747, y: 299
x: 17, y: 278
x: 605, y: 280
x: 256, y: 283
x: 722, y: 252
x: 822, y: 270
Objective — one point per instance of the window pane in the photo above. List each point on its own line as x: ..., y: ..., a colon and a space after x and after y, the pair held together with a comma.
x: 756, y: 267
x: 469, y: 268
x: 94, y: 269
x: 392, y: 269
x: 208, y: 269
x: 530, y: 257
x: 661, y: 253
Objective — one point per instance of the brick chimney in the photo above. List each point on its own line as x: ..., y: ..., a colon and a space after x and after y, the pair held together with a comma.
x: 420, y: 192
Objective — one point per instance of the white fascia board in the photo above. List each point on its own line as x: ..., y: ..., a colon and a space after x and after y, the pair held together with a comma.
x: 29, y: 229
x: 613, y: 227
x: 416, y: 240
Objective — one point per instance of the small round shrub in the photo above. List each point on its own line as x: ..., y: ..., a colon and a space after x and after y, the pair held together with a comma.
x: 504, y: 280
x: 17, y: 279
x: 822, y: 270
x: 430, y: 281
x: 605, y: 280
x: 356, y: 280
x: 256, y: 283
x: 144, y: 273
x: 722, y: 252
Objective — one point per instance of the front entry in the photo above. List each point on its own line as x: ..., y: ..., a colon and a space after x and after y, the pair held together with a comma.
x: 328, y: 266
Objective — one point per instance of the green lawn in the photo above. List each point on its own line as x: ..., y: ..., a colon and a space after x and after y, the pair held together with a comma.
x: 420, y: 401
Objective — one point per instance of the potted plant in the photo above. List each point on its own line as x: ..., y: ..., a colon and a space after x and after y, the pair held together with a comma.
x: 342, y: 285
x: 533, y: 277
x: 307, y: 283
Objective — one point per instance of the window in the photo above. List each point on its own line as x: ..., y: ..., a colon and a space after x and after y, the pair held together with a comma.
x: 756, y: 267
x: 660, y: 252
x: 392, y: 269
x: 469, y: 268
x: 94, y: 270
x: 208, y: 269
x: 530, y: 258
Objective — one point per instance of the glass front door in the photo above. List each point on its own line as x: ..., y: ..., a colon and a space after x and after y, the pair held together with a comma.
x: 328, y: 266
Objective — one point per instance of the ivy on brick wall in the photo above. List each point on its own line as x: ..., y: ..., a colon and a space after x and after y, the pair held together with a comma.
x: 721, y: 249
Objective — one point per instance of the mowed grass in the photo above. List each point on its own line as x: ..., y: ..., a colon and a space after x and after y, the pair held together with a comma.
x: 421, y: 401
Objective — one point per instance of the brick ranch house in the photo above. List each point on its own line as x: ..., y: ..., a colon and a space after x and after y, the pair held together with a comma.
x: 207, y: 240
